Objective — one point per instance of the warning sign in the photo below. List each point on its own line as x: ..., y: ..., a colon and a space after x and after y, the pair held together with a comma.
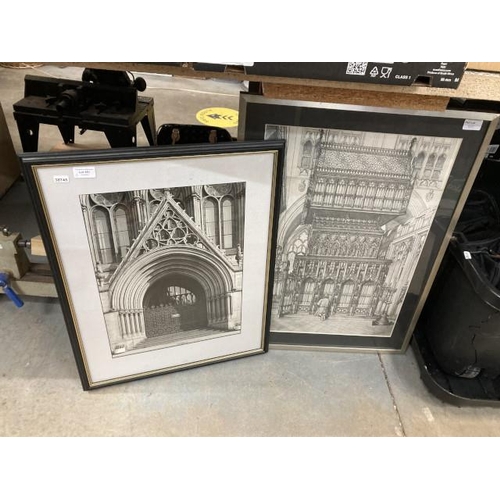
x: 218, y: 117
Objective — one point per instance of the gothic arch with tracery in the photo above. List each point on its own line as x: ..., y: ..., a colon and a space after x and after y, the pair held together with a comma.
x: 164, y: 266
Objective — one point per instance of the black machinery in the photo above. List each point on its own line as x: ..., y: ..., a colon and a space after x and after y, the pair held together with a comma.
x: 104, y: 100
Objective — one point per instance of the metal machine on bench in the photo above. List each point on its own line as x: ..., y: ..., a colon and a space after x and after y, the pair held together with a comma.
x: 104, y: 100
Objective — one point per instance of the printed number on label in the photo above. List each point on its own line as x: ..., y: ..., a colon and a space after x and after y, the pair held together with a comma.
x: 61, y: 179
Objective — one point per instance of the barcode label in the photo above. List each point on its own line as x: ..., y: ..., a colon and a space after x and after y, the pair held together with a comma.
x: 84, y: 172
x: 472, y: 125
x: 356, y: 68
x: 492, y: 149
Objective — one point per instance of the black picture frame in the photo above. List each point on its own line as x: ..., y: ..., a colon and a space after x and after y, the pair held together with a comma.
x: 343, y: 136
x: 137, y: 235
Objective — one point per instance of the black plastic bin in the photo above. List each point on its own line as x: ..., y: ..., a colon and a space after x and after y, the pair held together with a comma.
x: 463, y: 324
x: 457, y: 338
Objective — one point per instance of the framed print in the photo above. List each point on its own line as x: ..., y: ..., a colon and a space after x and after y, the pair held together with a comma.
x: 369, y: 201
x: 161, y: 256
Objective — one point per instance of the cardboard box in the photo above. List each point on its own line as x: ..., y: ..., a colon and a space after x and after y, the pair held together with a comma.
x: 444, y: 74
x: 430, y: 74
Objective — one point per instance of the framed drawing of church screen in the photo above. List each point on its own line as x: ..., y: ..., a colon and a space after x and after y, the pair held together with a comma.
x: 161, y: 256
x: 370, y: 197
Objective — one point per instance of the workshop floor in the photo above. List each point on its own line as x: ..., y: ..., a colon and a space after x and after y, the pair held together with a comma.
x: 281, y: 393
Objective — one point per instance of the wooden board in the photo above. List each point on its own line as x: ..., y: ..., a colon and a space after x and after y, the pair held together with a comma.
x: 357, y: 97
x: 484, y: 66
x: 37, y: 246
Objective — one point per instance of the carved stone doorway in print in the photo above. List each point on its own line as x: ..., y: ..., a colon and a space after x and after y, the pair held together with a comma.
x: 173, y: 304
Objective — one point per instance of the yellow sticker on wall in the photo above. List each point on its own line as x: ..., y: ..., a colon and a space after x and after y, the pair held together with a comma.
x: 218, y: 117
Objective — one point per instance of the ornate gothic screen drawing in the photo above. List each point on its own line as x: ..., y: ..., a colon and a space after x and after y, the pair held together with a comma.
x: 358, y: 209
x: 369, y: 200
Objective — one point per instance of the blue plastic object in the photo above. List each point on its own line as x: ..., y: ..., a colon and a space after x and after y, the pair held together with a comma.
x: 4, y: 283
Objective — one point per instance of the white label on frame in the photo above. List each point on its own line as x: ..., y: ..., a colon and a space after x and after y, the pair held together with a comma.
x: 61, y: 179
x: 467, y: 255
x: 492, y: 149
x: 472, y: 124
x: 84, y: 172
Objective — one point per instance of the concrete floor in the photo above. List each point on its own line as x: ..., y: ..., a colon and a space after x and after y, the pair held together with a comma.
x: 281, y: 393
